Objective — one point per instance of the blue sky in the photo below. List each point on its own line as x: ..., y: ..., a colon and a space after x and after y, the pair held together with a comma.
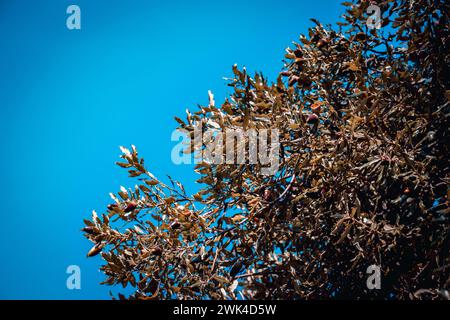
x: 69, y: 98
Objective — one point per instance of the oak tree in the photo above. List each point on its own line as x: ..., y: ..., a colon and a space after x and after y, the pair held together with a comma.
x: 363, y: 177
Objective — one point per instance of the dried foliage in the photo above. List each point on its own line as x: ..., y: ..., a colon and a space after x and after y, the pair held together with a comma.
x: 363, y: 116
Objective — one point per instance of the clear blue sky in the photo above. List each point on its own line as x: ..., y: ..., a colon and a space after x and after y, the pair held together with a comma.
x: 68, y: 99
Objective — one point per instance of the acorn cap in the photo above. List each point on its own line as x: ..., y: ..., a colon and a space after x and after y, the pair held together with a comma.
x: 312, y: 118
x: 130, y: 207
x: 175, y: 225
x: 316, y: 108
x: 95, y: 250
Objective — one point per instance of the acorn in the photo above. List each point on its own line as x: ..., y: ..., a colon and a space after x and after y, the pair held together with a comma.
x: 152, y: 286
x: 304, y: 82
x: 112, y: 206
x: 88, y: 230
x: 157, y: 251
x: 316, y: 108
x: 176, y: 225
x: 315, y: 37
x: 322, y: 43
x: 237, y: 267
x: 130, y: 207
x: 95, y: 250
x: 360, y: 36
x: 312, y: 119
x: 298, y: 53
x: 267, y: 195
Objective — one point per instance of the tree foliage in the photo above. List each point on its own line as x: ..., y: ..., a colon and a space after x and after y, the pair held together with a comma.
x: 363, y: 116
